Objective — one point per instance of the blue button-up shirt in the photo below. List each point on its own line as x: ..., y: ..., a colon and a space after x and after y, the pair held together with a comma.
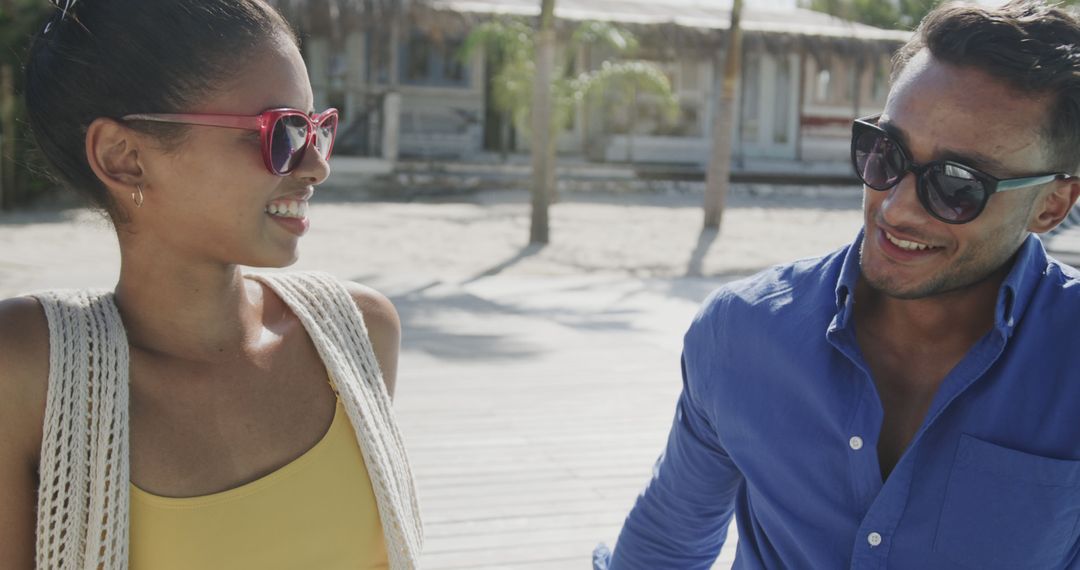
x: 779, y: 419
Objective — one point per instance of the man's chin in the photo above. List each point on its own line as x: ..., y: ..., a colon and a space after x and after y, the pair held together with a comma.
x: 898, y: 285
x: 898, y: 290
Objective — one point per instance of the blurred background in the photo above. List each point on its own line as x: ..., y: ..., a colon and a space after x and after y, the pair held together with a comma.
x: 547, y: 189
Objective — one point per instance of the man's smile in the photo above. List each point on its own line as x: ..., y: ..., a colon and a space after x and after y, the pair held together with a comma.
x: 907, y: 244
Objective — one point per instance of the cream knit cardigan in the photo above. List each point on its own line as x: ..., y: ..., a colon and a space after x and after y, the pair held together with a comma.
x: 85, y: 477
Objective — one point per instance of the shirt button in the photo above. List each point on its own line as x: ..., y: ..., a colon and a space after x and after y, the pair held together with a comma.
x: 855, y: 442
x: 874, y: 539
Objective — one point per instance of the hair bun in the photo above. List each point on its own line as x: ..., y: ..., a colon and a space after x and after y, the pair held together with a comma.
x: 65, y: 6
x: 65, y: 11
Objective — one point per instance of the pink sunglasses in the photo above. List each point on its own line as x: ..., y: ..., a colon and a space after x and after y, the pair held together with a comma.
x: 285, y: 133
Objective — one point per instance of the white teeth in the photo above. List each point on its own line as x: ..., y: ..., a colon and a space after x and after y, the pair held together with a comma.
x: 905, y: 244
x: 288, y: 208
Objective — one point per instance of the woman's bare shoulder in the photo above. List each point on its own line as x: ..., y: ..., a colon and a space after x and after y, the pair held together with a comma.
x: 378, y: 310
x: 24, y: 367
x: 24, y: 336
x: 24, y: 371
x: 384, y: 328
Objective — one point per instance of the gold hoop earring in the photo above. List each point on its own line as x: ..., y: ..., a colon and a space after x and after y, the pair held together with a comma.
x: 138, y: 196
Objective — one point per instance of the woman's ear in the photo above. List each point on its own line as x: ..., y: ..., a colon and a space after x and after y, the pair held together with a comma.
x: 112, y: 150
x: 1052, y: 208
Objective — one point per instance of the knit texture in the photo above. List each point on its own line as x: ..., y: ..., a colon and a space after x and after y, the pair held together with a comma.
x: 335, y: 325
x: 83, y: 494
x: 85, y: 473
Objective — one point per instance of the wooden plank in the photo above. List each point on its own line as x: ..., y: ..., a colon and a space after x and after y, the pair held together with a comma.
x: 531, y: 461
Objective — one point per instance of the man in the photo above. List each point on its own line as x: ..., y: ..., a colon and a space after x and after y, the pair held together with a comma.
x: 912, y: 400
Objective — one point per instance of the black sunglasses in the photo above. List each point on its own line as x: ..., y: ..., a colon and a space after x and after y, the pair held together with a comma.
x: 949, y: 191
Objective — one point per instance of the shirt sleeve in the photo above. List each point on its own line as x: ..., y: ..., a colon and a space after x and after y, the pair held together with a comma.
x: 680, y: 520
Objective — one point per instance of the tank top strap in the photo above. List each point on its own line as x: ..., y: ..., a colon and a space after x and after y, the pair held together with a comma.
x: 336, y: 326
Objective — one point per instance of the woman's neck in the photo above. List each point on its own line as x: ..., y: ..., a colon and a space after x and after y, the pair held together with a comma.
x: 191, y: 311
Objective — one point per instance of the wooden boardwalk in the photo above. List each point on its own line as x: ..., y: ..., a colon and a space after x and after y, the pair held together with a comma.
x: 534, y: 410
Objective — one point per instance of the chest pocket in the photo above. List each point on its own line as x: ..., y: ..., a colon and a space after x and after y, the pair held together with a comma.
x: 1006, y: 509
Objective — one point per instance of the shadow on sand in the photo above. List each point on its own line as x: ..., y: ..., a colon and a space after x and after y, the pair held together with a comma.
x: 525, y: 253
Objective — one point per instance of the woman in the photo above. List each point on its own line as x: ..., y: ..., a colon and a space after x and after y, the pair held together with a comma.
x: 195, y: 417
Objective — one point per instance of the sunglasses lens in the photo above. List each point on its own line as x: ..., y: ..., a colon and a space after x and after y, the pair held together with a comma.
x: 878, y: 162
x: 287, y: 142
x: 953, y: 193
x: 324, y: 136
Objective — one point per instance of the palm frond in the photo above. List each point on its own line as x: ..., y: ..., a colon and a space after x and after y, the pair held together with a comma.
x: 604, y: 35
x: 508, y: 41
x: 623, y: 79
x: 508, y: 45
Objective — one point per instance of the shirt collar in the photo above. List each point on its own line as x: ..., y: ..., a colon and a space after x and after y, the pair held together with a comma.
x: 1029, y: 265
x: 849, y: 276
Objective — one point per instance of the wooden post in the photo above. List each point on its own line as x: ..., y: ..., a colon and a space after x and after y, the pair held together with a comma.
x: 392, y: 103
x: 857, y: 95
x: 802, y: 103
x: 581, y: 109
x: 391, y: 142
x: 8, y: 190
x: 719, y: 174
x: 543, y: 148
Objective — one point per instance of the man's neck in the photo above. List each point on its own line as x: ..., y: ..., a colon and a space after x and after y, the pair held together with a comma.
x: 953, y: 319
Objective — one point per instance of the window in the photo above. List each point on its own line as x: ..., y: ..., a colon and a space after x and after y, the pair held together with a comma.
x: 418, y: 60
x: 690, y: 76
x: 782, y: 101
x: 881, y: 84
x: 835, y: 83
x: 453, y: 68
x: 431, y: 63
x: 824, y: 81
x: 751, y: 100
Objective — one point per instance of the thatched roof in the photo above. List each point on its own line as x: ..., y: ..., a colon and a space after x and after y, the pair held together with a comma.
x: 668, y: 26
x: 678, y: 25
x: 692, y: 14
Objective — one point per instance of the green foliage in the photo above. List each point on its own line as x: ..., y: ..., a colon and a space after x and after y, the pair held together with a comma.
x: 509, y: 49
x: 913, y: 11
x: 621, y: 81
x: 19, y: 21
x: 896, y: 14
x: 507, y: 40
x: 604, y: 35
x: 508, y: 46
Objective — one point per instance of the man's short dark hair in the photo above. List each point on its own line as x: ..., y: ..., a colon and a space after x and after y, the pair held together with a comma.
x: 1031, y: 46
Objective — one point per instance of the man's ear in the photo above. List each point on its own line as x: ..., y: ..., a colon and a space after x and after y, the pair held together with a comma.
x: 112, y: 150
x: 1052, y: 208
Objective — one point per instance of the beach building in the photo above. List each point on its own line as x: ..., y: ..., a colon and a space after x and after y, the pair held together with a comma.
x: 392, y: 67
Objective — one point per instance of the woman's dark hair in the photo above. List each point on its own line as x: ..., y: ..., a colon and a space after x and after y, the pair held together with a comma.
x: 110, y: 58
x: 1031, y: 46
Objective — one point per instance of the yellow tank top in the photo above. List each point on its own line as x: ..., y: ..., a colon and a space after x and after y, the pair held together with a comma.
x: 318, y: 511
